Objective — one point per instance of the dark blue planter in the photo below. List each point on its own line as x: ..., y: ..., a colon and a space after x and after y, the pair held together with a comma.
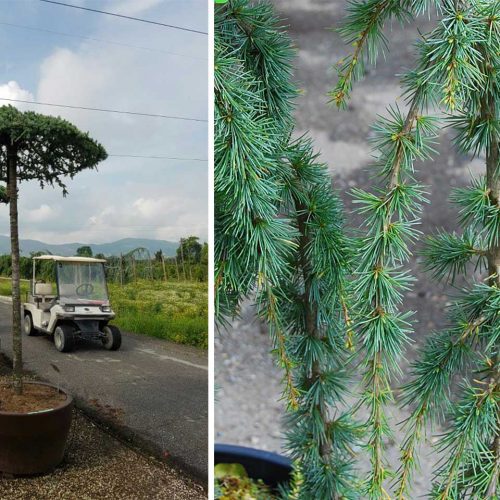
x: 272, y: 468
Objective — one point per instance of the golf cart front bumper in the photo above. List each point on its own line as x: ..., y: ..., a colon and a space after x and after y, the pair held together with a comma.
x: 88, y: 320
x: 89, y: 329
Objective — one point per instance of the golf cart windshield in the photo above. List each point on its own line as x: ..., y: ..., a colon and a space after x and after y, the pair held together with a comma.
x: 82, y: 282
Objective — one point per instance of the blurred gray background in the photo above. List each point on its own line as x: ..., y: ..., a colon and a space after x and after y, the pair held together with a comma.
x: 248, y: 409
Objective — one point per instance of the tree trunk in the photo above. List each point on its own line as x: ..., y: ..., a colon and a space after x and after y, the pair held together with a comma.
x: 17, y: 346
x: 311, y: 325
x: 493, y: 184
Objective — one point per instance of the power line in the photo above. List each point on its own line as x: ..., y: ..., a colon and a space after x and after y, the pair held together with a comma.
x: 98, y: 40
x: 146, y: 225
x: 160, y: 157
x: 104, y: 110
x: 173, y: 26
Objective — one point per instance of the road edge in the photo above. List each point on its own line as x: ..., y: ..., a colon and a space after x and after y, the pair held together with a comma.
x: 129, y: 437
x: 139, y: 444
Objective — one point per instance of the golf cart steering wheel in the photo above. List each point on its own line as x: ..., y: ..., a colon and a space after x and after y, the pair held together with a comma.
x: 84, y: 290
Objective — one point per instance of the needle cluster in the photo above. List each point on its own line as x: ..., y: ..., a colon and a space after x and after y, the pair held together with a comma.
x: 456, y: 72
x: 279, y: 236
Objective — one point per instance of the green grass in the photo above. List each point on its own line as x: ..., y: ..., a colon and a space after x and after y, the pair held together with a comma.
x: 6, y: 290
x: 176, y: 311
x: 173, y: 311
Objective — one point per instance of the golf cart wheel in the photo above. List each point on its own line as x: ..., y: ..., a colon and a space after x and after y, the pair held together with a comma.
x: 112, y: 338
x: 64, y: 338
x: 29, y: 329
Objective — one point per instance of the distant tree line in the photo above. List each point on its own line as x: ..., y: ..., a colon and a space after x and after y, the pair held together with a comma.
x: 189, y: 264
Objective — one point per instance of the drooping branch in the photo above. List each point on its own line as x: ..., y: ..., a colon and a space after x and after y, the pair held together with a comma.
x: 253, y: 118
x: 469, y: 346
x: 493, y: 256
x: 321, y: 435
x: 363, y: 28
x: 379, y: 318
x: 312, y: 321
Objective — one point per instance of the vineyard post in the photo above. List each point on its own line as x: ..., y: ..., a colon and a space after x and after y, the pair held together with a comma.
x: 121, y: 269
x: 182, y: 259
x: 164, y: 268
x: 177, y: 268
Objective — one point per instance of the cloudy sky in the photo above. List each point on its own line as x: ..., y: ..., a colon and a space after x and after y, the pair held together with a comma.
x: 164, y: 73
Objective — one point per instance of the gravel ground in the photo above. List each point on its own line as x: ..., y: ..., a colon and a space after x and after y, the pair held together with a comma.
x: 98, y: 466
x: 248, y: 409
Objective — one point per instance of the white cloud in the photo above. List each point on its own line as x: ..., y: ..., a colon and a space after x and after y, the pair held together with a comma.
x: 42, y: 213
x: 148, y: 208
x: 131, y: 80
x: 134, y: 7
x: 66, y: 77
x: 12, y: 90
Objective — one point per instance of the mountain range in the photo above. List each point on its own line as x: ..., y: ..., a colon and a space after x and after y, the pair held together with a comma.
x: 114, y: 248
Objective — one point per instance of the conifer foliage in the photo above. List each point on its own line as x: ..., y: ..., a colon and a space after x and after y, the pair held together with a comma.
x: 253, y: 123
x: 279, y: 234
x: 321, y: 435
x: 468, y: 347
x: 457, y: 71
x: 253, y: 105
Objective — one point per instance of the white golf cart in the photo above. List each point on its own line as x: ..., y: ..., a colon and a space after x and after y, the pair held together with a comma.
x: 73, y: 305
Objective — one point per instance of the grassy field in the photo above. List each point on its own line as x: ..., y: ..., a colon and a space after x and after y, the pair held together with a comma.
x: 176, y: 311
x: 5, y: 287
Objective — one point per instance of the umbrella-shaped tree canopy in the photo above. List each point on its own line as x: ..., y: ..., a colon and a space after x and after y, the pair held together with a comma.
x: 47, y: 148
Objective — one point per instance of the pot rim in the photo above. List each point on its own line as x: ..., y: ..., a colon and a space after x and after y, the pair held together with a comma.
x: 254, y: 453
x: 68, y: 401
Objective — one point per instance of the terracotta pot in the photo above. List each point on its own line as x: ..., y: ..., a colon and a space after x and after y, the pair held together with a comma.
x: 34, y: 443
x: 271, y: 468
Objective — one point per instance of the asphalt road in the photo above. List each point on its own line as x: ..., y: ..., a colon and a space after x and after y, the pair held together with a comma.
x: 152, y: 391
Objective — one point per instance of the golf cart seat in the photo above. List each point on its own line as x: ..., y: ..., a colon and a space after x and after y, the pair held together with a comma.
x: 43, y: 295
x: 43, y: 289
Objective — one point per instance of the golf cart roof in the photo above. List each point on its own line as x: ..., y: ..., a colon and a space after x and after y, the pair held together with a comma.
x: 57, y: 258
